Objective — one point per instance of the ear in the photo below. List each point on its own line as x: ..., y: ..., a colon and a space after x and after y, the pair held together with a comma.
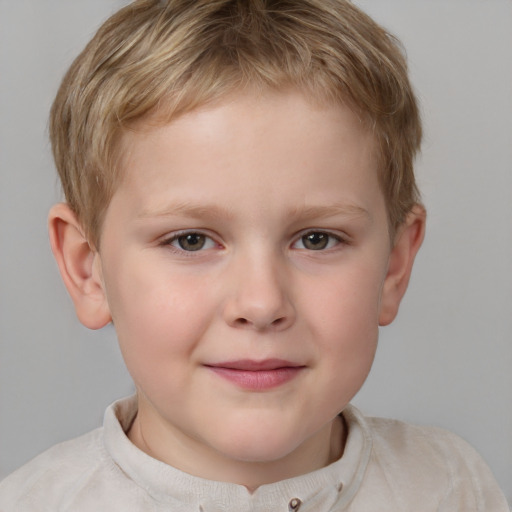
x: 80, y: 267
x: 407, y: 242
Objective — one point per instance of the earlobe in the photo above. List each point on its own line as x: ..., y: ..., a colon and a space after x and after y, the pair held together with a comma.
x: 407, y: 243
x: 80, y: 267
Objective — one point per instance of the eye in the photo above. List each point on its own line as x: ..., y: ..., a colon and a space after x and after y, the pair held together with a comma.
x: 191, y: 242
x: 317, y: 241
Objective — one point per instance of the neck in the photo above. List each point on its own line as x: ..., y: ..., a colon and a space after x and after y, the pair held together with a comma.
x: 323, y: 448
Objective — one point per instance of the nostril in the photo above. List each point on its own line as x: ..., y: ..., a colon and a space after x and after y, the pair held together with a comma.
x: 244, y: 322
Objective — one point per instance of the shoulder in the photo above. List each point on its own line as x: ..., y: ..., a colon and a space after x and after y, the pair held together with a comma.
x: 430, y: 464
x: 51, y: 475
x: 424, y: 445
x: 400, y: 438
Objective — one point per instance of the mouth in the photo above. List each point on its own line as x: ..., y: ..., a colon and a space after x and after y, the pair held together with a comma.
x: 257, y: 375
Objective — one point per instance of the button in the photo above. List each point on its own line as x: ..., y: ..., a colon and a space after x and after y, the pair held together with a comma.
x: 294, y: 505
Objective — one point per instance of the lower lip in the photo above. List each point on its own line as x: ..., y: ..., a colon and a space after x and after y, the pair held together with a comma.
x: 259, y: 380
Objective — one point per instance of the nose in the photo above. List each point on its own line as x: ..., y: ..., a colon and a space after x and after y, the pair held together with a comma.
x: 259, y: 298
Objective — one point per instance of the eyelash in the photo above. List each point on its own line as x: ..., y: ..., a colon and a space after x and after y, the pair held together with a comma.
x: 169, y: 242
x: 332, y: 241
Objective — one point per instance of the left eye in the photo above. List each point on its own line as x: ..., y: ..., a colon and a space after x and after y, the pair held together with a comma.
x: 316, y: 241
x: 192, y: 242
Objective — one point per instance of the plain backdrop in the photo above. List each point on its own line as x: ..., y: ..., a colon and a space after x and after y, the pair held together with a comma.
x: 447, y: 359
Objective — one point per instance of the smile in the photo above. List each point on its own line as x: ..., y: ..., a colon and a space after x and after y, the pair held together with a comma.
x: 257, y: 375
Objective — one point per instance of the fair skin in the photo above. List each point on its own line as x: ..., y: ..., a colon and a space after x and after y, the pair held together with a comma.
x: 246, y: 264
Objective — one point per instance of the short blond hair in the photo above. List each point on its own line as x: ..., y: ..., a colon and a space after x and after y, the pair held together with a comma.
x: 172, y: 56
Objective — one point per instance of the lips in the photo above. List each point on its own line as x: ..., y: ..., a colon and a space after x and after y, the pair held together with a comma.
x: 257, y: 375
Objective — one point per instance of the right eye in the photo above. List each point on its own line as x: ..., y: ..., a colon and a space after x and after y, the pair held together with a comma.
x: 191, y: 242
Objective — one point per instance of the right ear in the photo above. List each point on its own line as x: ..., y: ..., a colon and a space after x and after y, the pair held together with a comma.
x: 80, y: 267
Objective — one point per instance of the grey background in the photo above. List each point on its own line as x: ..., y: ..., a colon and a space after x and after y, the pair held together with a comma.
x: 446, y: 360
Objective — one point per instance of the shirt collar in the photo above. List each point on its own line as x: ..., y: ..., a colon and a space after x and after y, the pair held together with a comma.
x: 320, y: 490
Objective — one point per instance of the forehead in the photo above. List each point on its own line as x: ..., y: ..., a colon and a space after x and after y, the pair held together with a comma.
x: 251, y: 142
x: 243, y: 115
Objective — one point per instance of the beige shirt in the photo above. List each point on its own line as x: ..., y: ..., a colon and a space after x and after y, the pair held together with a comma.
x: 387, y: 466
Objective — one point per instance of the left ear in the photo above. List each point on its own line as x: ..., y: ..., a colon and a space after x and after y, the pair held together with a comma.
x: 407, y: 242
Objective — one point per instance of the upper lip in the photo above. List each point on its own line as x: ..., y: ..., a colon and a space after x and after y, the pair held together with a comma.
x: 255, y: 365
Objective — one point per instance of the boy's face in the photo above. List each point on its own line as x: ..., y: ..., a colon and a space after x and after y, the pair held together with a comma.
x: 243, y: 258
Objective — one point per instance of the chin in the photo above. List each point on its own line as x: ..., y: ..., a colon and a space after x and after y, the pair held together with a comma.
x: 258, y: 443
x: 261, y: 453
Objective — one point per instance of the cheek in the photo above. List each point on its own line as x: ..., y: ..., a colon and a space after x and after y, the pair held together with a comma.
x: 347, y: 306
x: 159, y: 317
x: 345, y: 327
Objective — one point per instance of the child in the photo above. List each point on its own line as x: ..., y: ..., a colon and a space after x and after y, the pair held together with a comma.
x: 241, y: 205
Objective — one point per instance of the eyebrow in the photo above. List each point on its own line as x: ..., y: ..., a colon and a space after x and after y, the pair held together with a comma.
x: 212, y: 211
x: 325, y: 211
x: 189, y: 210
